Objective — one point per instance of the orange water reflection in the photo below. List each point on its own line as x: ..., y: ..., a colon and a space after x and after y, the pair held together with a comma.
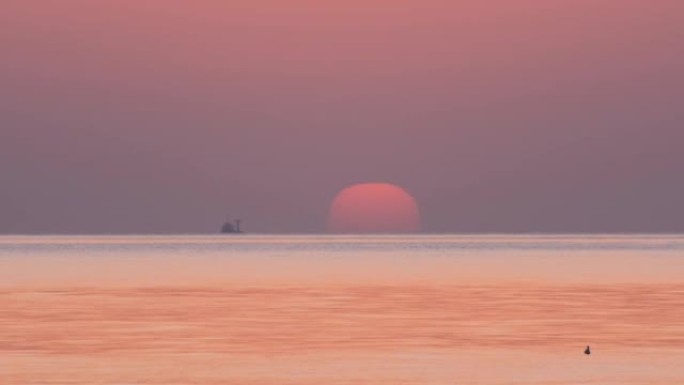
x: 337, y: 331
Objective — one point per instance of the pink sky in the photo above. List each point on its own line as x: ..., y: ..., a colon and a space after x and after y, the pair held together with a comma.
x: 164, y: 116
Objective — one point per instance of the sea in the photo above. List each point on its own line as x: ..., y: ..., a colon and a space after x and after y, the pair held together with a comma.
x: 319, y: 309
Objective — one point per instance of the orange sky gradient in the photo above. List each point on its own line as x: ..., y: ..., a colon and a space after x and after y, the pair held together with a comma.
x: 501, y: 116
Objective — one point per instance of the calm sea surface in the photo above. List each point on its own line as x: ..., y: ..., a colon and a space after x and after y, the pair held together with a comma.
x: 280, y: 310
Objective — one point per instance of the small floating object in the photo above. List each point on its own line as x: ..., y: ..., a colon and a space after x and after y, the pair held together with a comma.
x: 587, y: 351
x: 232, y: 228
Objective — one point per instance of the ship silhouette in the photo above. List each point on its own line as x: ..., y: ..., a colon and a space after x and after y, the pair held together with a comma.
x: 232, y: 227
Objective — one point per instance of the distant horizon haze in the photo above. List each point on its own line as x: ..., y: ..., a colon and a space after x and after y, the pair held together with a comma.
x: 515, y: 117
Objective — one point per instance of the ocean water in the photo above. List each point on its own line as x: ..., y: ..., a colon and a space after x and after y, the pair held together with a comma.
x: 280, y: 310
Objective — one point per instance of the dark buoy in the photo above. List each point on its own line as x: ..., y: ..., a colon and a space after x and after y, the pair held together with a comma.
x: 587, y: 351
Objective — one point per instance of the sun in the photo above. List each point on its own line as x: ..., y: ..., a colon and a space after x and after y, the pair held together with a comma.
x: 374, y: 208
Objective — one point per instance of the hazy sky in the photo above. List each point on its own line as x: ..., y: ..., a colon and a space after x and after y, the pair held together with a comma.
x: 162, y: 116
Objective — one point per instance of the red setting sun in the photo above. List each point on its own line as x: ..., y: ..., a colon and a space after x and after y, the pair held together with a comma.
x: 374, y: 208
